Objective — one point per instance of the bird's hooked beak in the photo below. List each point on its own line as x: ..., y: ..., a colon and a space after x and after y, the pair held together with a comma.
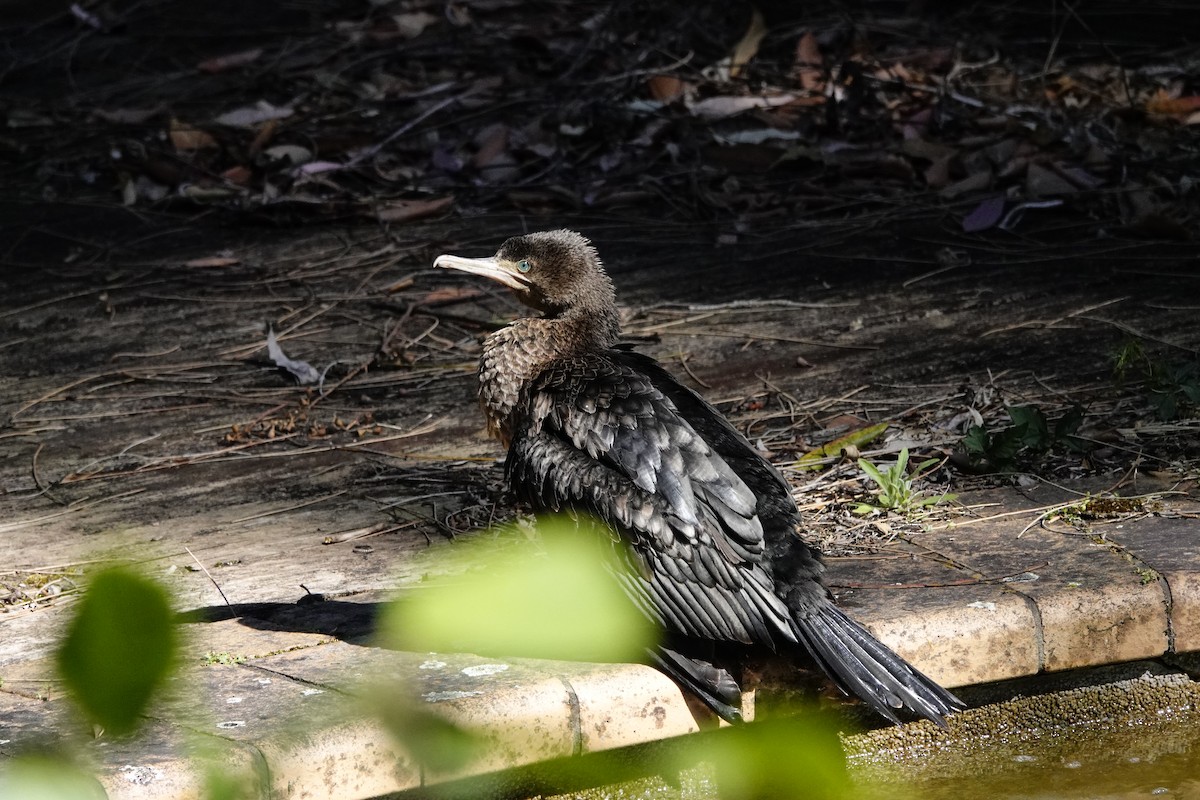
x: 500, y: 271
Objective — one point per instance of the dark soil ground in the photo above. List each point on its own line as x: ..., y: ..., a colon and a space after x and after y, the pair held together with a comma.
x: 810, y: 269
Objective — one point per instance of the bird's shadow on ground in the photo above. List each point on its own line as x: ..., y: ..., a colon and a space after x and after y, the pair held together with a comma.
x: 351, y: 622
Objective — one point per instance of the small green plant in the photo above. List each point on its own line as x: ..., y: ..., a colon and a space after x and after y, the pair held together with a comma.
x: 1030, y: 434
x: 1172, y: 387
x: 1175, y: 389
x: 895, y: 492
x: 212, y: 658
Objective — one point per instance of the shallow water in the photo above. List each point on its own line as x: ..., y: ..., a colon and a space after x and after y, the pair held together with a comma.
x: 1137, y: 738
x: 1155, y: 758
x: 1129, y: 738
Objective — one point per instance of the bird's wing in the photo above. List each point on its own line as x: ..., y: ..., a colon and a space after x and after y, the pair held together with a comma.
x: 600, y: 437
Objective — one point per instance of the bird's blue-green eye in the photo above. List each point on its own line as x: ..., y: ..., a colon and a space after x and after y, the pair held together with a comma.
x: 523, y: 266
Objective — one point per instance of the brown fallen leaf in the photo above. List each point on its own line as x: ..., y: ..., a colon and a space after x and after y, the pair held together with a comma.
x: 492, y: 142
x: 665, y: 88
x: 808, y: 67
x: 128, y: 116
x: 747, y: 47
x: 937, y: 174
x: 185, y: 137
x: 265, y: 134
x: 448, y: 294
x: 231, y: 61
x: 406, y: 210
x: 213, y: 261
x: 238, y: 175
x: 1164, y: 103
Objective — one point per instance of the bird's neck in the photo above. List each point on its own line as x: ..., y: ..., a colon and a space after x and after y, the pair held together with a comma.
x: 515, y: 355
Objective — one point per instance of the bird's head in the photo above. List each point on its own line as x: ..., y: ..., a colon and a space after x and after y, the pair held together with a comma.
x: 556, y: 272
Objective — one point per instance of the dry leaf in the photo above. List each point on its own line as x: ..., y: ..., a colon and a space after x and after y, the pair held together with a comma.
x: 1043, y: 182
x: 400, y: 285
x: 937, y: 174
x: 917, y: 147
x: 974, y: 182
x: 231, y: 61
x: 665, y: 88
x: 293, y: 154
x: 986, y: 215
x: 746, y: 49
x: 317, y: 167
x: 412, y: 24
x: 238, y: 175
x: 492, y: 142
x: 459, y: 14
x: 406, y: 210
x: 249, y: 116
x: 213, y: 261
x: 726, y: 106
x: 128, y: 116
x: 184, y: 137
x: 449, y: 294
x: 265, y: 134
x: 302, y: 371
x: 1163, y: 103
x: 809, y: 65
x: 28, y: 118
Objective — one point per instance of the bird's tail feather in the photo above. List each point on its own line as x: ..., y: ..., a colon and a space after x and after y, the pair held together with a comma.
x: 863, y: 666
x: 714, y: 686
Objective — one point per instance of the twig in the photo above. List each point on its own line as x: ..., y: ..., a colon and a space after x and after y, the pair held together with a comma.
x: 1051, y: 323
x: 764, y: 338
x: 373, y: 530
x: 1147, y: 337
x: 375, y: 149
x: 228, y: 604
x: 683, y: 362
x: 305, y: 504
x: 12, y: 526
x: 940, y: 584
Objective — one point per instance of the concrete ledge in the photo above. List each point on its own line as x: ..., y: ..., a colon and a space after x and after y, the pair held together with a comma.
x: 1001, y: 627
x: 295, y: 713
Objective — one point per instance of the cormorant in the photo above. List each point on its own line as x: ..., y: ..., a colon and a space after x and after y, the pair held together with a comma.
x: 592, y: 426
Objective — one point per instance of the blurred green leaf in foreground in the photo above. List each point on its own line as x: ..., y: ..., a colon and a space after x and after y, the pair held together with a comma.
x: 118, y: 649
x: 554, y: 596
x: 43, y: 777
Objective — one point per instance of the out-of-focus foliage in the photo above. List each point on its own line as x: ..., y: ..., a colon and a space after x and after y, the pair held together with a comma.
x: 552, y: 597
x: 222, y: 784
x: 43, y: 777
x: 436, y: 743
x: 798, y: 756
x: 119, y: 648
x: 788, y: 757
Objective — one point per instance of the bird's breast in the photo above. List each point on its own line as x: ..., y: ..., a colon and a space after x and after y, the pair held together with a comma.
x: 512, y: 358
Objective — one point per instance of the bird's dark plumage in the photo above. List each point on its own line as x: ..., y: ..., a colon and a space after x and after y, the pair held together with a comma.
x: 592, y: 426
